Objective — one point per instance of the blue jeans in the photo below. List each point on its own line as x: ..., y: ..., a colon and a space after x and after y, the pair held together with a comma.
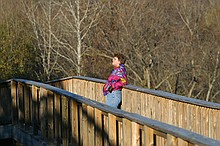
x: 114, y: 99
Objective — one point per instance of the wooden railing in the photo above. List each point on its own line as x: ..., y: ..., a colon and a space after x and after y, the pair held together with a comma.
x: 191, y: 114
x: 61, y: 117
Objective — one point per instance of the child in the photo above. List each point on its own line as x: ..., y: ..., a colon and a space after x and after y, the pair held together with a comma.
x: 117, y: 79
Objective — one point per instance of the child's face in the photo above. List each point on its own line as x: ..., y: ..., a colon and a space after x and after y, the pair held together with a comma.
x: 115, y: 62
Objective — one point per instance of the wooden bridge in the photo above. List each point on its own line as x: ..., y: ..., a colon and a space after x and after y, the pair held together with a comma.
x: 70, y: 111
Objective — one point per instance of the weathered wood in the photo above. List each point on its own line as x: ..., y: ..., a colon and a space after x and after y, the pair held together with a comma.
x: 20, y: 105
x: 43, y: 111
x: 136, y: 137
x: 50, y: 116
x: 34, y: 109
x: 126, y: 124
x: 130, y: 122
x: 84, y: 125
x: 57, y: 119
x: 27, y: 106
x: 105, y: 131
x: 171, y: 140
x: 14, y: 102
x: 148, y: 136
x: 98, y: 127
x: 91, y: 125
x: 64, y: 108
x: 74, y: 123
x: 112, y: 130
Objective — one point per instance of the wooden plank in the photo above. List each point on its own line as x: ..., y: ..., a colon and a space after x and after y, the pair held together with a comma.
x: 215, y: 124
x: 58, y: 117
x: 85, y: 125
x: 184, y: 122
x: 120, y: 133
x: 43, y: 111
x: 193, y: 118
x: 126, y: 127
x: 98, y: 127
x: 171, y: 140
x: 167, y: 109
x: 98, y: 93
x: 147, y: 105
x: 112, y: 130
x: 81, y: 124
x: 136, y: 137
x: 105, y: 131
x: 20, y: 105
x: 157, y: 109
x: 126, y: 100
x: 207, y: 121
x: 50, y: 116
x: 143, y: 108
x: 91, y: 127
x: 181, y: 142
x: 34, y: 109
x: 64, y: 129
x: 148, y: 136
x: 198, y: 119
x: 218, y: 125
x: 27, y: 105
x: 74, y: 123
x: 14, y: 102
x: 138, y: 100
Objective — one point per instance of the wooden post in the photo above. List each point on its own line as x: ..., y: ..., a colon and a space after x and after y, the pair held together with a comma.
x: 20, y: 105
x: 50, y: 116
x: 112, y: 130
x: 98, y: 127
x: 43, y: 111
x: 34, y: 109
x: 84, y: 125
x: 171, y: 140
x: 148, y: 136
x: 27, y: 106
x: 126, y: 127
x: 57, y: 119
x: 74, y: 123
x: 64, y: 120
x: 135, y: 139
x: 91, y: 127
x: 14, y: 102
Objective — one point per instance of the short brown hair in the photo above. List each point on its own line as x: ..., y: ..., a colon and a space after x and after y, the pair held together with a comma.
x: 120, y: 57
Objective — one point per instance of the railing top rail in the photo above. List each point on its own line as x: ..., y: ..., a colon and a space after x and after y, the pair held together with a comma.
x: 178, y: 132
x: 154, y: 92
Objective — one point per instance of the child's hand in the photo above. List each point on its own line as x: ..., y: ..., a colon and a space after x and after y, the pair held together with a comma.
x: 110, y: 89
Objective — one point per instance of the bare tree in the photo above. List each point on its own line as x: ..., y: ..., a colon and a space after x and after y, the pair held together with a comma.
x: 78, y: 17
x: 43, y: 17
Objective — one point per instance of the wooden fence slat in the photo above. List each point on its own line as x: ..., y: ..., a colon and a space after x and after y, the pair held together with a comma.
x: 84, y: 125
x: 57, y: 120
x: 148, y: 136
x: 91, y: 127
x: 112, y: 129
x: 43, y: 111
x: 34, y: 109
x: 50, y: 116
x: 27, y: 106
x: 20, y: 105
x: 14, y: 102
x: 98, y: 127
x: 74, y: 123
x: 135, y: 139
x: 64, y: 108
x: 171, y: 140
x: 126, y: 127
